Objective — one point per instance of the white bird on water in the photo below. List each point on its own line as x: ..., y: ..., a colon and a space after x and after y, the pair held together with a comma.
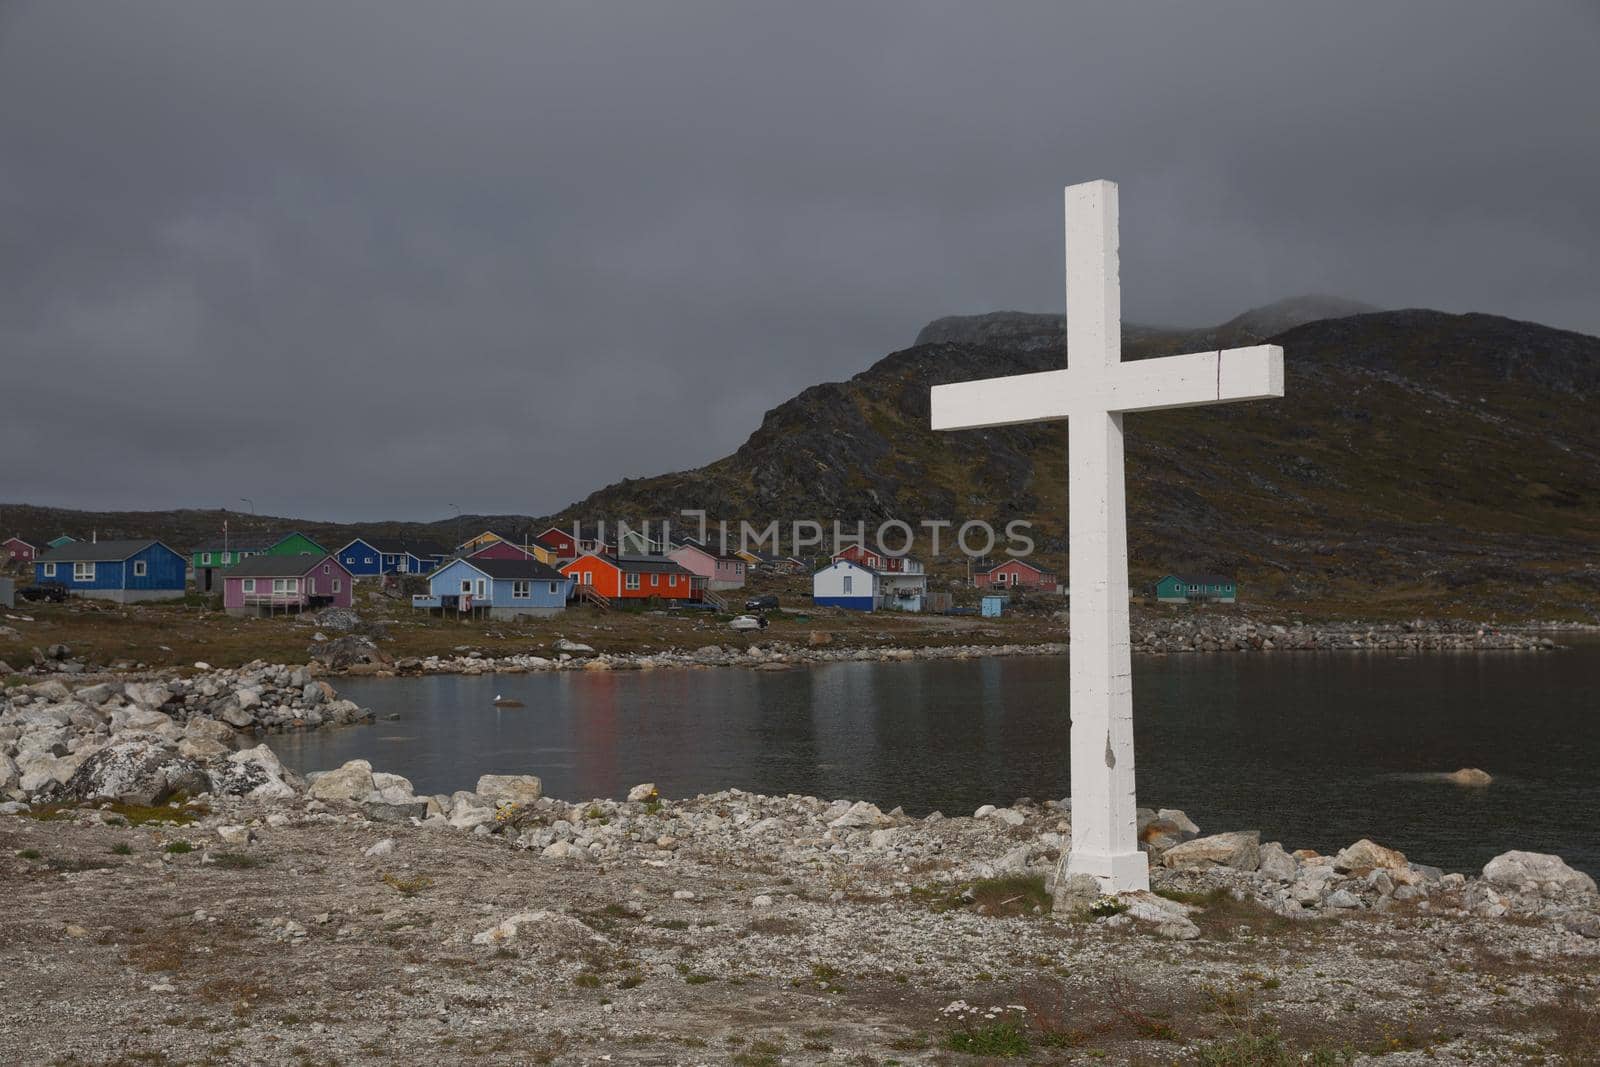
x: 502, y: 702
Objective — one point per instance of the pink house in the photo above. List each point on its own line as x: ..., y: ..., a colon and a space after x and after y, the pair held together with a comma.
x: 16, y: 550
x: 265, y: 584
x: 720, y: 572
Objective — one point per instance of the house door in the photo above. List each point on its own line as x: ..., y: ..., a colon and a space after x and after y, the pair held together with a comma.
x: 311, y: 586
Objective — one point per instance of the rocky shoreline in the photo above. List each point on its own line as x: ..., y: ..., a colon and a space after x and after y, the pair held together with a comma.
x: 499, y: 925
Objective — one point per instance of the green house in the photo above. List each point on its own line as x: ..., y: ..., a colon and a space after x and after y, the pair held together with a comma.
x: 57, y: 542
x: 207, y: 559
x: 1196, y: 588
x: 296, y: 544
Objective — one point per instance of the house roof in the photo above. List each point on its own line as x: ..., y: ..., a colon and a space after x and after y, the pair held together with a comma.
x: 503, y: 569
x: 97, y: 551
x: 707, y: 550
x: 850, y: 563
x: 1002, y: 563
x: 21, y: 540
x: 279, y: 566
x: 1202, y: 579
x: 397, y: 546
x: 238, y: 544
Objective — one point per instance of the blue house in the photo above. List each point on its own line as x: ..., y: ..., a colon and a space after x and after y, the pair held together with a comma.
x: 496, y: 588
x: 368, y: 557
x: 123, y: 571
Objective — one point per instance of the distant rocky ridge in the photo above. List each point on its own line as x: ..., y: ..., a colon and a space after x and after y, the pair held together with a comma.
x: 1451, y: 459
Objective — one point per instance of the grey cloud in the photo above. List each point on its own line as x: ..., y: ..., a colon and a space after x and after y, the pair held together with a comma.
x: 370, y: 259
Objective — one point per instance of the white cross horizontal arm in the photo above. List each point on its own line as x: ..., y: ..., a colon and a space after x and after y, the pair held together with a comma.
x: 1187, y: 381
x: 1002, y: 401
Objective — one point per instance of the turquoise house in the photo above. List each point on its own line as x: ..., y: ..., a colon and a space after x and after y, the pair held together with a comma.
x: 496, y: 588
x: 1196, y: 588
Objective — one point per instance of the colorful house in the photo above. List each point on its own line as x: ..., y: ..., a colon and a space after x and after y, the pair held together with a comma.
x: 16, y: 550
x: 209, y: 560
x: 369, y: 557
x: 881, y: 562
x: 720, y: 572
x: 502, y: 550
x: 295, y: 544
x: 575, y: 540
x: 472, y: 544
x: 770, y: 562
x: 1196, y: 588
x: 633, y: 577
x: 264, y: 584
x: 845, y: 584
x: 498, y: 588
x: 123, y: 571
x: 1014, y: 574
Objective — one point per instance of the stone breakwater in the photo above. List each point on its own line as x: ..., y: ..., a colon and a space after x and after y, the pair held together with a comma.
x: 1169, y: 638
x: 48, y: 730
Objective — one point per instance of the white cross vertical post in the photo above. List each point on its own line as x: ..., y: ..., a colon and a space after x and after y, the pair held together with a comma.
x: 1092, y: 394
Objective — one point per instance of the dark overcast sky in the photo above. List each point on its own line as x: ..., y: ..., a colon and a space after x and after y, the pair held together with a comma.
x: 363, y: 260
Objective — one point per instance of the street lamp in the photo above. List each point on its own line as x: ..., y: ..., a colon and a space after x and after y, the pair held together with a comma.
x: 247, y: 500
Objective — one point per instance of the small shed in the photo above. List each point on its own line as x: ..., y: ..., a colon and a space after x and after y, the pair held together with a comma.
x: 994, y: 606
x: 8, y: 593
x: 1196, y: 588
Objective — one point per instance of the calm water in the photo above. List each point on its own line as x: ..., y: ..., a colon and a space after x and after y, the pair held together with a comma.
x: 1315, y: 749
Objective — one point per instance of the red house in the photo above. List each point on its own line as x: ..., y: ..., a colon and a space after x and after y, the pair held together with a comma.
x: 16, y: 550
x: 500, y: 550
x: 1014, y: 574
x: 632, y: 577
x: 879, y: 561
x: 589, y: 540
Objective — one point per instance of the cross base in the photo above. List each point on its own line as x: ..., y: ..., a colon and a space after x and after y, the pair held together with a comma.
x: 1117, y: 872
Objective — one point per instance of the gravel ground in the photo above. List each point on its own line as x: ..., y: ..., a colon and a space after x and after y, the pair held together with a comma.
x: 303, y: 931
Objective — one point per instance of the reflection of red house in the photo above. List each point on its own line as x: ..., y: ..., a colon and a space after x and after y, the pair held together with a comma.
x: 632, y: 577
x: 878, y: 561
x: 501, y: 550
x: 16, y: 550
x: 1014, y: 574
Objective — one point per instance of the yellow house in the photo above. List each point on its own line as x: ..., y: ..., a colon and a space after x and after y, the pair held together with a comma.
x: 483, y: 540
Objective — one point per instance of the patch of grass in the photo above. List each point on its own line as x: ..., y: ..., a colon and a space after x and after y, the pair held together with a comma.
x: 122, y: 848
x: 178, y: 848
x: 30, y: 854
x: 407, y: 885
x: 1017, y: 894
x: 631, y: 981
x: 996, y: 1039
x: 126, y: 814
x: 239, y: 861
x: 695, y: 978
x: 587, y: 980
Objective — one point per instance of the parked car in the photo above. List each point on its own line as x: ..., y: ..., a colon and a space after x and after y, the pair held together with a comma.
x: 748, y: 622
x: 761, y: 603
x: 50, y: 591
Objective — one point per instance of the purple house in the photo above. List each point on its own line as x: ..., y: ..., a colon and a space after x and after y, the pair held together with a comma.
x: 262, y: 585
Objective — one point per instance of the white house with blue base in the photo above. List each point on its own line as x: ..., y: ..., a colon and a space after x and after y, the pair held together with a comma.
x: 843, y: 584
x: 498, y: 588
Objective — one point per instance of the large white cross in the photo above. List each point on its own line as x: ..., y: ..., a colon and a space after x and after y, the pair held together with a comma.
x: 1092, y: 394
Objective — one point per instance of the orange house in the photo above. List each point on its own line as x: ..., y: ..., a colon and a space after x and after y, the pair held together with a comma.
x: 632, y: 577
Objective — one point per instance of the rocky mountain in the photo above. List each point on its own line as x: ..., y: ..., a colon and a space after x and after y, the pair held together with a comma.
x: 1419, y: 460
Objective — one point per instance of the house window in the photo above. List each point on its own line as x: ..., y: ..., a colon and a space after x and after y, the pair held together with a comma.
x: 206, y: 559
x: 521, y: 590
x: 849, y: 582
x: 552, y: 588
x: 249, y: 585
x: 336, y: 585
x: 466, y: 587
x: 327, y: 568
x: 140, y: 568
x: 631, y: 581
x: 83, y: 572
x: 49, y: 570
x: 655, y: 579
x: 672, y: 579
x: 482, y: 586
x: 281, y: 586
x: 588, y: 577
x: 366, y: 559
